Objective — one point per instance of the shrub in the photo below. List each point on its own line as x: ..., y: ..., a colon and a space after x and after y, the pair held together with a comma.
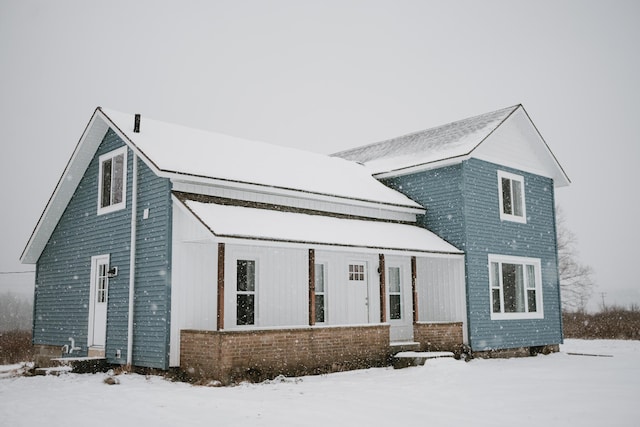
x: 613, y: 323
x: 15, y: 347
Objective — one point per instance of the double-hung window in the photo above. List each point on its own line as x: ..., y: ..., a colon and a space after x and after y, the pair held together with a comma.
x: 321, y: 293
x: 245, y: 292
x: 511, y: 194
x: 112, y: 181
x: 516, y: 288
x: 395, y: 294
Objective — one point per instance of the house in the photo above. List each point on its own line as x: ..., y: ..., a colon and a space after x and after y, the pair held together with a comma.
x: 487, y: 184
x: 168, y: 247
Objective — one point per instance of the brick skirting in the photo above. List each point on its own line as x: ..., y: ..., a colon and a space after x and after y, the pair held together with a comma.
x: 229, y: 356
x: 438, y: 336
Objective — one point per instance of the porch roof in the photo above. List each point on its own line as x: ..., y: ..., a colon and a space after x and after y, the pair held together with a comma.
x: 239, y: 222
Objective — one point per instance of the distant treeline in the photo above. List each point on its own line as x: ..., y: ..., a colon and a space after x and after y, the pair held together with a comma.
x: 611, y: 323
x: 16, y: 312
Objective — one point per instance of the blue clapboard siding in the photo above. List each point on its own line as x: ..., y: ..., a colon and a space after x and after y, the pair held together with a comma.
x: 61, y: 307
x: 153, y: 271
x: 463, y: 208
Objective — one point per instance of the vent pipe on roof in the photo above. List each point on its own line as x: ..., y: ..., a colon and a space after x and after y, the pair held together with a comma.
x: 136, y: 124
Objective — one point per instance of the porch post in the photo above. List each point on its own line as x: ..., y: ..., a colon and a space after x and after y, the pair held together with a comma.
x: 312, y: 287
x: 220, y: 313
x: 383, y: 290
x: 414, y: 290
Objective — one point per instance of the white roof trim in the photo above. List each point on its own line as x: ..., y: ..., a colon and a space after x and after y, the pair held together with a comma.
x: 66, y: 186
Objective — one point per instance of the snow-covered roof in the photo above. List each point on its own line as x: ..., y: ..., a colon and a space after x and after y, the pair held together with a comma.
x: 196, y: 154
x: 458, y: 140
x: 238, y: 222
x: 442, y: 142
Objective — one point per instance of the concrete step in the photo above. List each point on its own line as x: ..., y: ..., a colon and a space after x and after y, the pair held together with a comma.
x: 400, y: 346
x: 404, y: 359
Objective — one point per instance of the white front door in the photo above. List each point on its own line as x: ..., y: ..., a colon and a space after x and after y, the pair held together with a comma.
x: 399, y: 308
x: 98, y: 301
x: 358, y: 294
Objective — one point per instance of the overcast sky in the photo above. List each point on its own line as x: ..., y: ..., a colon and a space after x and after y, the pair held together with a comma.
x: 330, y: 75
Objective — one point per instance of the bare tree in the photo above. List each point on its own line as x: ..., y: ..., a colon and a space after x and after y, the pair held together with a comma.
x: 576, y: 279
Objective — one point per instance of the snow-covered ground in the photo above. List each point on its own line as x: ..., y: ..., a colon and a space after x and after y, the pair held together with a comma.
x: 555, y: 390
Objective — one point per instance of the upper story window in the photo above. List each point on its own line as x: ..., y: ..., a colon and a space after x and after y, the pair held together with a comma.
x: 112, y: 181
x: 511, y: 193
x: 516, y: 287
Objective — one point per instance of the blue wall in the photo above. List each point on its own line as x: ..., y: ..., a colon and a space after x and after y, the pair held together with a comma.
x: 61, y: 307
x: 462, y: 205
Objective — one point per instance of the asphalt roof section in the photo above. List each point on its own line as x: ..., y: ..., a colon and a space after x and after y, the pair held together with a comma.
x: 439, y: 143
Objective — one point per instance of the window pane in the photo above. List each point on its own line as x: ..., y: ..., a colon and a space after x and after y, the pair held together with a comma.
x: 356, y: 272
x: 118, y: 178
x: 106, y: 184
x: 495, y: 275
x: 394, y: 279
x: 395, y: 307
x: 496, y: 300
x: 513, y: 288
x: 531, y: 300
x: 246, y: 275
x: 506, y: 196
x: 319, y: 308
x: 245, y: 309
x: 319, y: 269
x: 517, y: 197
x: 531, y: 277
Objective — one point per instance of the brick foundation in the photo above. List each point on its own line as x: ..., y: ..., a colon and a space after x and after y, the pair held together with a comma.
x: 230, y: 356
x: 438, y: 336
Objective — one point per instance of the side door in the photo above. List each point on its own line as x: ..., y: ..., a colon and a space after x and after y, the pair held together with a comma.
x: 99, y: 297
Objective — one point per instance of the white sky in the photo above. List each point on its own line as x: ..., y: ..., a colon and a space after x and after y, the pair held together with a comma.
x: 330, y: 75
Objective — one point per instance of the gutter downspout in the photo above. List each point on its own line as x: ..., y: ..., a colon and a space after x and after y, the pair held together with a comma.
x: 132, y: 258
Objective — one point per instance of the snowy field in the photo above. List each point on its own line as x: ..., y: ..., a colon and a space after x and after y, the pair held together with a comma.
x: 555, y: 390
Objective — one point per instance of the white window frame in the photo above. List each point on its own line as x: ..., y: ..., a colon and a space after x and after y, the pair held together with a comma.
x: 254, y: 292
x: 510, y: 216
x: 505, y: 259
x: 123, y: 203
x: 323, y: 293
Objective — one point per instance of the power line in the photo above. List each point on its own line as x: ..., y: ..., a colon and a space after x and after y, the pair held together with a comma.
x: 17, y: 272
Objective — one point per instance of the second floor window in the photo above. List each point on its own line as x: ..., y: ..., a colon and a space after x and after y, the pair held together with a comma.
x: 511, y: 194
x: 112, y: 181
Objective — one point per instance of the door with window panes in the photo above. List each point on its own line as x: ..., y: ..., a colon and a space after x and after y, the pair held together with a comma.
x: 358, y: 293
x: 99, y: 295
x: 399, y: 307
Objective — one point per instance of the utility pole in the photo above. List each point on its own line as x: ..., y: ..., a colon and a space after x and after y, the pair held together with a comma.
x: 604, y: 307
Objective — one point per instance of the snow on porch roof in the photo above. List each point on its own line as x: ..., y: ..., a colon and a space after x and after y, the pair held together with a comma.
x: 197, y: 154
x: 238, y: 222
